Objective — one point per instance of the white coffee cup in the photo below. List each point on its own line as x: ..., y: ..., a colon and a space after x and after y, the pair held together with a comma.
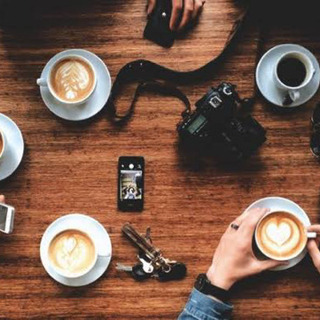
x: 81, y: 229
x: 4, y: 143
x: 294, y: 93
x: 46, y: 81
x: 309, y: 235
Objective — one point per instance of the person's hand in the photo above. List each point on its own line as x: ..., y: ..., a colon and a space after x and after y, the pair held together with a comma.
x: 183, y: 12
x: 313, y: 246
x: 2, y: 199
x: 234, y: 259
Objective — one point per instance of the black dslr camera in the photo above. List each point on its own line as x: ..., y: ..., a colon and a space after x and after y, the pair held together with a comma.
x: 217, y: 127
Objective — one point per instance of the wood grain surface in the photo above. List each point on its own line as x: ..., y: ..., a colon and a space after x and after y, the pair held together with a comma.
x: 72, y: 167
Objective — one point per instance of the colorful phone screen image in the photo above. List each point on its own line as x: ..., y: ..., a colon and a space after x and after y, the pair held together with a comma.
x: 131, y: 185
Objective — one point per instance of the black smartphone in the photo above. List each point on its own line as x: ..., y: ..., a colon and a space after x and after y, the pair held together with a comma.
x: 130, y: 183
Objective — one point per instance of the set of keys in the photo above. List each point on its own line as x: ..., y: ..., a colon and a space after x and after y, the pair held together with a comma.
x: 151, y: 263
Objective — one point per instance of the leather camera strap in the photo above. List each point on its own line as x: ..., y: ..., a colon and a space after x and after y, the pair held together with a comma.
x: 145, y: 73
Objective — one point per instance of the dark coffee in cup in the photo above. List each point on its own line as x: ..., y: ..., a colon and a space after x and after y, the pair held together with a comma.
x: 291, y: 71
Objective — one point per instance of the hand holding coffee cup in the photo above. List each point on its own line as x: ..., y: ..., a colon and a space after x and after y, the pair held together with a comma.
x: 313, y: 246
x: 71, y: 80
x: 281, y: 235
x: 292, y: 73
x: 234, y: 259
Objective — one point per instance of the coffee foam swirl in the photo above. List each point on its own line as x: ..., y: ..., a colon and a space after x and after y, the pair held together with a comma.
x: 281, y: 235
x: 72, y: 79
x: 72, y: 251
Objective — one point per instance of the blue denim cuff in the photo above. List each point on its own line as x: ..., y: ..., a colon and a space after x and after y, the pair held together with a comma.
x: 202, y: 307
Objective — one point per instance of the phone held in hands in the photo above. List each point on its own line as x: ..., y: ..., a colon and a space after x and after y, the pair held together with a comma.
x: 130, y: 183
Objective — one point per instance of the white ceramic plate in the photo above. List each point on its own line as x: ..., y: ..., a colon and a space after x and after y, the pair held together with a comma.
x: 264, y: 76
x: 96, y: 230
x: 13, y: 154
x: 283, y: 204
x: 96, y: 102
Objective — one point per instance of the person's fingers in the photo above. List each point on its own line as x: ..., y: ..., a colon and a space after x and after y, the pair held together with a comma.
x: 256, y: 212
x: 151, y: 5
x: 252, y: 218
x: 314, y: 253
x: 314, y: 228
x: 269, y: 264
x: 2, y: 198
x: 240, y: 218
x: 198, y: 5
x: 187, y: 14
x: 175, y: 15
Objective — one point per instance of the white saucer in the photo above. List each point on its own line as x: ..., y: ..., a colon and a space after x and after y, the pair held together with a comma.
x: 283, y: 204
x: 264, y: 76
x: 96, y: 230
x: 13, y: 153
x: 96, y: 102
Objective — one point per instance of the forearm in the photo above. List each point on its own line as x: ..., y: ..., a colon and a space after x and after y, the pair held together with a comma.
x: 203, y: 307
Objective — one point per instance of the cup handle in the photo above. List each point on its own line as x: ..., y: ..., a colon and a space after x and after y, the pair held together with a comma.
x: 311, y: 235
x: 42, y: 82
x: 104, y: 255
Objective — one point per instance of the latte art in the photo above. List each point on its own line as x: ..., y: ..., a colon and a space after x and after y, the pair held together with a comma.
x: 281, y: 235
x: 72, y: 79
x: 72, y: 252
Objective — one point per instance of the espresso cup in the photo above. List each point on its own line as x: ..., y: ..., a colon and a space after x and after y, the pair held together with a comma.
x: 71, y: 80
x: 72, y: 252
x: 281, y: 235
x: 293, y: 90
x: 2, y: 144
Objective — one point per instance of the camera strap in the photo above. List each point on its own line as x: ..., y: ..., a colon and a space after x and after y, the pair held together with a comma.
x: 145, y: 73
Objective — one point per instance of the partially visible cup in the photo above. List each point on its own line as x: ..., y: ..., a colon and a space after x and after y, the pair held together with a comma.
x: 293, y: 71
x: 72, y: 253
x: 281, y: 235
x: 71, y: 80
x: 2, y: 144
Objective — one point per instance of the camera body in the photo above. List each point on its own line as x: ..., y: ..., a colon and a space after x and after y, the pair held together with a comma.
x: 216, y: 127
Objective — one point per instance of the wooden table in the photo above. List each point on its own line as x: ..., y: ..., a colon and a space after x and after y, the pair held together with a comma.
x: 72, y: 167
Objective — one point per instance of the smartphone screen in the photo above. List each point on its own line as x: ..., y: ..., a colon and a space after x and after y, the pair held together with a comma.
x: 131, y: 183
x: 3, y: 217
x: 6, y: 218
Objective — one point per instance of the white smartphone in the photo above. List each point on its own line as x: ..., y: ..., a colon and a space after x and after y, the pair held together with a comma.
x: 6, y: 218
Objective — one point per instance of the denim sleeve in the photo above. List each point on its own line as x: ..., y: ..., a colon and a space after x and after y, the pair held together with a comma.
x: 202, y: 307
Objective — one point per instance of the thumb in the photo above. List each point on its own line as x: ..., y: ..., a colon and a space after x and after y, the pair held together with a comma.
x: 269, y: 264
x: 314, y: 253
x: 2, y: 199
x: 150, y: 7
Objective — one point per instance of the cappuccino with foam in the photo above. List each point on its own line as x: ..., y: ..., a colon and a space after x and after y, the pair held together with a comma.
x: 281, y: 235
x: 72, y: 79
x: 72, y: 253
